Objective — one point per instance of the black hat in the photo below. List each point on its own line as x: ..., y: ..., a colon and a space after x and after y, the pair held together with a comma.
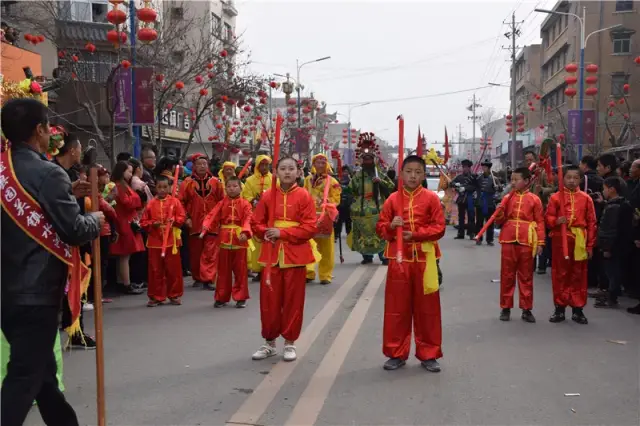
x: 466, y: 163
x: 487, y: 163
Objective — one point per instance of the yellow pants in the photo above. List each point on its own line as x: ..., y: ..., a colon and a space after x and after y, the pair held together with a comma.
x: 253, y: 257
x: 326, y: 247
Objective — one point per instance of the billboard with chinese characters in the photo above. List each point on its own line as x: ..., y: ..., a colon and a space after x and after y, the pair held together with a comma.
x: 144, y: 108
x: 588, y: 126
x: 122, y: 95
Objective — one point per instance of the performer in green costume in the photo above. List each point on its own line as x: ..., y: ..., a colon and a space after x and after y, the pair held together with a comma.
x: 370, y: 187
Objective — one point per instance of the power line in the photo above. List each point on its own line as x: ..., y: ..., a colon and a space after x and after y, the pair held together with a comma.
x: 411, y: 98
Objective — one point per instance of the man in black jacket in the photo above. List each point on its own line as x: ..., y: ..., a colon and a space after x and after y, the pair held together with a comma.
x: 633, y: 266
x: 33, y: 280
x: 466, y: 185
x: 486, y: 201
x: 592, y: 184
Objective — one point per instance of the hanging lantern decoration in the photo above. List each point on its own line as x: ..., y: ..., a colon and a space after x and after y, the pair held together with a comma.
x: 626, y: 88
x: 179, y: 85
x: 591, y: 68
x: 74, y: 58
x: 219, y: 126
x: 247, y: 108
x: 169, y: 106
x: 306, y: 110
x: 223, y: 53
x: 159, y: 78
x: 637, y: 60
x: 147, y: 35
x: 530, y: 103
x: 571, y: 79
x: 621, y: 101
x: 306, y: 119
x: 125, y: 64
x: 262, y: 93
x: 235, y: 150
x: 592, y: 79
x: 251, y: 101
x: 570, y: 91
x: 291, y: 101
x: 610, y: 113
x: 273, y: 84
x: 626, y: 116
x: 116, y: 16
x: 521, y: 130
x: 542, y: 126
x: 204, y: 92
x: 90, y: 47
x: 210, y: 138
x: 572, y: 68
x: 211, y: 75
x: 591, y: 91
x: 509, y: 117
x: 210, y: 65
x: 199, y: 79
x: 116, y: 37
x: 291, y: 119
x: 263, y: 101
x: 612, y: 104
x: 561, y: 137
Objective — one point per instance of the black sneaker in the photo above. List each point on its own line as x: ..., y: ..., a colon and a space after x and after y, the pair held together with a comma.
x: 394, y: 364
x: 527, y: 316
x: 325, y: 282
x: 479, y: 242
x: 130, y: 289
x: 635, y: 310
x: 541, y: 271
x: 196, y: 284
x: 256, y: 279
x: 385, y: 262
x: 606, y: 303
x: 186, y: 273
x: 431, y: 365
x: 240, y: 304
x: 219, y: 304
x: 459, y: 237
x: 598, y: 294
x: 490, y: 243
x: 558, y: 315
x: 366, y: 261
x: 210, y: 287
x: 84, y: 342
x: 505, y: 314
x: 309, y: 280
x: 578, y: 316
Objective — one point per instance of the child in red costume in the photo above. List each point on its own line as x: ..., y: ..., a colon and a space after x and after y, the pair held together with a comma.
x: 282, y: 300
x: 231, y: 221
x: 569, y: 276
x: 411, y: 292
x: 164, y: 214
x: 522, y: 238
x: 199, y: 194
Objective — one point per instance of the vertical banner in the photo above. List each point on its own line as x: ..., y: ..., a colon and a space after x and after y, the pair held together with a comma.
x: 121, y: 96
x: 144, y: 97
x: 588, y: 126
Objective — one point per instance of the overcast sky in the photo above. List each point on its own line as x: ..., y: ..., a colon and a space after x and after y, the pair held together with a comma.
x: 385, y: 50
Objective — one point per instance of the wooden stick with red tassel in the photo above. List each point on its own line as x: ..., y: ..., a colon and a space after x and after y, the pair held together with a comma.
x: 271, y: 211
x: 400, y: 204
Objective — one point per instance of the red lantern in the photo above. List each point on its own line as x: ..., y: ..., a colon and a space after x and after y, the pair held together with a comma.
x: 612, y: 104
x: 262, y: 93
x: 199, y: 79
x: 169, y: 106
x: 548, y: 109
x: 571, y: 68
x: 621, y: 101
x: 147, y: 35
x: 223, y: 53
x: 571, y: 79
x: 530, y: 103
x: 224, y: 98
x: 626, y: 116
x: 258, y: 117
x: 306, y: 110
x: 146, y: 14
x: 306, y: 119
x: 291, y: 119
x: 561, y: 137
x: 291, y: 110
x: 210, y: 138
x: 243, y: 139
x: 29, y: 38
x: 625, y: 88
x: 246, y: 152
x: 509, y: 129
x: 218, y: 126
x: 509, y: 117
x: 263, y: 101
x: 61, y: 54
x: 236, y: 122
x: 570, y: 91
x: 179, y: 85
x: 159, y: 78
x: 233, y: 129
x: 245, y: 132
x: 247, y: 108
x: 90, y: 47
x: 591, y: 91
x: 125, y: 64
x: 251, y: 101
x: 74, y: 58
x: 591, y: 68
x: 210, y: 65
x: 291, y: 102
x: 542, y: 126
x: 211, y: 75
x: 637, y: 60
x: 610, y: 113
x: 521, y: 130
x: 204, y: 92
x: 592, y: 79
x: 273, y: 84
x: 533, y: 108
x: 116, y: 16
x: 113, y: 36
x: 116, y: 2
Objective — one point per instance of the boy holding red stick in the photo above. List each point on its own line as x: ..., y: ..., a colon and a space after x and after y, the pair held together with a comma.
x: 522, y: 238
x: 569, y: 276
x: 411, y: 293
x: 165, y: 272
x: 231, y: 220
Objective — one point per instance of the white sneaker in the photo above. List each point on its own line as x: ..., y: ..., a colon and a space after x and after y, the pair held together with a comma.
x: 290, y: 353
x: 87, y: 307
x: 264, y: 352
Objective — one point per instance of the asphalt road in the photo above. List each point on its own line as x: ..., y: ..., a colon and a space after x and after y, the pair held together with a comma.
x: 191, y: 364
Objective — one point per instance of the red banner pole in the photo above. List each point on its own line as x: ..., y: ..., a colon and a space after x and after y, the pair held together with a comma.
x: 271, y: 211
x: 563, y: 227
x: 399, y: 229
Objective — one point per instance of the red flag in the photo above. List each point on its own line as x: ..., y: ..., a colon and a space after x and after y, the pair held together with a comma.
x: 419, y: 146
x: 446, y: 146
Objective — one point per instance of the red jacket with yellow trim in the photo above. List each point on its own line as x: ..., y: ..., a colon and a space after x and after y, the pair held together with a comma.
x: 162, y: 210
x: 517, y: 211
x: 230, y: 212
x: 294, y: 205
x: 422, y: 216
x: 580, y: 213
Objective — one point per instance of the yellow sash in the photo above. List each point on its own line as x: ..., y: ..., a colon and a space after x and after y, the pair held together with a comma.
x: 580, y: 248
x: 533, y: 238
x: 177, y: 235
x: 430, y: 282
x: 283, y: 224
x: 238, y: 231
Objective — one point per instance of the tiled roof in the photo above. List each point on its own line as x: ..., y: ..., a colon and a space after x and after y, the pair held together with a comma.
x: 83, y: 31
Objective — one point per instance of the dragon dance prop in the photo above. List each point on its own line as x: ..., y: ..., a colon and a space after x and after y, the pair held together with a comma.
x: 271, y: 211
x: 169, y: 224
x: 400, y: 204
x: 563, y: 227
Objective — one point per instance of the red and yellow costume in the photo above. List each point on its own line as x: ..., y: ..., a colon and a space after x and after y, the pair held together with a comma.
x: 326, y: 245
x: 199, y: 195
x: 253, y: 189
x: 165, y: 273
x: 569, y: 276
x: 229, y: 219
x: 411, y: 293
x: 521, y: 217
x: 282, y: 303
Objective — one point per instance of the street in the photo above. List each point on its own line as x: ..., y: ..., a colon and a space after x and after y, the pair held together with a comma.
x: 191, y: 364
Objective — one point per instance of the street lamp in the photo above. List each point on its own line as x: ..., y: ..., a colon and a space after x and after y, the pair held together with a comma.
x: 583, y: 45
x: 299, y: 87
x: 352, y: 107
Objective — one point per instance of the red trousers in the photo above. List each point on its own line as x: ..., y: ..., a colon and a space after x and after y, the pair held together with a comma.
x: 209, y: 259
x: 568, y: 276
x: 405, y: 303
x: 516, y: 261
x: 232, y: 262
x: 196, y: 245
x: 282, y: 304
x: 165, y: 275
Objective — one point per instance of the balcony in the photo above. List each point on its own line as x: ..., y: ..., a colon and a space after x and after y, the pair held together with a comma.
x: 229, y: 8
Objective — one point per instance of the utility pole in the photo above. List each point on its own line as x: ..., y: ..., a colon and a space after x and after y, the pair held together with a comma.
x: 473, y: 118
x: 515, y: 32
x: 460, y: 147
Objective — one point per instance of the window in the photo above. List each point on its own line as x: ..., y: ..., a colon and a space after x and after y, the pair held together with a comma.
x: 623, y: 6
x: 95, y: 68
x: 618, y: 80
x: 83, y: 10
x: 177, y: 56
x: 216, y: 24
x: 621, y: 43
x: 177, y: 13
x: 552, y: 37
x: 228, y: 32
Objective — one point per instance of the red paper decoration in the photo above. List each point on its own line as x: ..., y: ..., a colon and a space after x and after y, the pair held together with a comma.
x: 626, y: 116
x: 211, y: 75
x: 273, y: 84
x: 591, y: 91
x: 159, y: 78
x: 625, y: 88
x: 571, y: 79
x: 591, y: 68
x: 570, y: 91
x: 116, y: 37
x: 218, y: 126
x: 223, y: 53
x: 125, y: 64
x: 637, y: 60
x: 116, y: 16
x: 147, y: 35
x: 199, y: 79
x: 90, y: 47
x: 179, y: 85
x: 204, y: 92
x: 542, y: 126
x: 592, y: 79
x: 571, y: 68
x: 74, y: 58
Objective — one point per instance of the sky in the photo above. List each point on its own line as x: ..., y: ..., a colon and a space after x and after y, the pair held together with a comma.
x: 384, y: 52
